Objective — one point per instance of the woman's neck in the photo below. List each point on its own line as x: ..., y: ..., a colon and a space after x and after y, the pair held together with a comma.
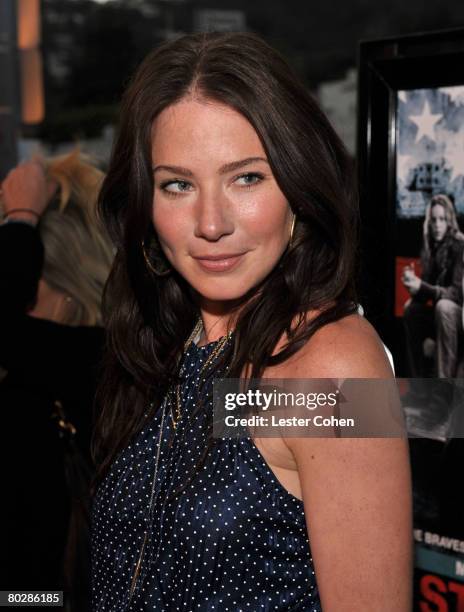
x: 215, y: 325
x: 51, y: 304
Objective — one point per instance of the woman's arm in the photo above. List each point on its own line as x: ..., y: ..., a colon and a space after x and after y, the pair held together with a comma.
x: 59, y: 358
x: 21, y: 261
x: 56, y: 357
x: 356, y: 492
x: 25, y: 194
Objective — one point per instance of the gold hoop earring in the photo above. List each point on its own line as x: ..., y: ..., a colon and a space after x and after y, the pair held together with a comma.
x: 151, y: 266
x: 290, y: 242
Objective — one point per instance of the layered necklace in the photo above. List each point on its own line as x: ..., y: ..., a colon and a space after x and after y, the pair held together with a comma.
x: 176, y: 414
x: 214, y: 353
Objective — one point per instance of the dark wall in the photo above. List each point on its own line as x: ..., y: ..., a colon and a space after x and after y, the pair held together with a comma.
x: 99, y: 45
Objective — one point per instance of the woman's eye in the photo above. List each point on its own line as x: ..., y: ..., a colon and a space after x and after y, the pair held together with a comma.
x: 249, y: 179
x: 175, y: 187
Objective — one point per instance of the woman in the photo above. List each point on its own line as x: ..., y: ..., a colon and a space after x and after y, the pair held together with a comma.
x: 54, y: 262
x: 53, y: 274
x: 435, y: 307
x: 230, y: 200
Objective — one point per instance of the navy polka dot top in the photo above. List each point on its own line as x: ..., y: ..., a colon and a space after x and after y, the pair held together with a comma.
x: 232, y: 540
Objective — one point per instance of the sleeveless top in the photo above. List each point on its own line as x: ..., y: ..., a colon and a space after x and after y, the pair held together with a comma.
x: 233, y: 540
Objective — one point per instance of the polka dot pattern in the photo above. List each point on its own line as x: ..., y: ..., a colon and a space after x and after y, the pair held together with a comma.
x: 233, y: 540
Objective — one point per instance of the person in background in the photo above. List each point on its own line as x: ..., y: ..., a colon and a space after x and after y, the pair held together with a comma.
x: 435, y: 308
x: 54, y: 261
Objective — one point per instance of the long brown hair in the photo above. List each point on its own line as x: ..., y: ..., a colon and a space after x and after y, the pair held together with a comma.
x: 443, y: 200
x: 149, y: 318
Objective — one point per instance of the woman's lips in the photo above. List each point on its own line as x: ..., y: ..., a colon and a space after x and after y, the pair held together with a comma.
x: 219, y: 265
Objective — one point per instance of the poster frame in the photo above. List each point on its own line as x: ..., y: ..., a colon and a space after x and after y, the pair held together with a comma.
x: 385, y: 67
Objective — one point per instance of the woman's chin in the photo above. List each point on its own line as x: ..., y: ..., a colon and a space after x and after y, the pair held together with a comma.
x: 221, y: 296
x: 225, y: 291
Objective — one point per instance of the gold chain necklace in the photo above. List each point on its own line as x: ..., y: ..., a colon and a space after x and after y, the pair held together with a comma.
x: 196, y: 329
x: 217, y: 349
x: 214, y: 353
x: 145, y: 535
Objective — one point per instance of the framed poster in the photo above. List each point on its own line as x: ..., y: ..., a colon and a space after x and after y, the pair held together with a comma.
x: 411, y: 172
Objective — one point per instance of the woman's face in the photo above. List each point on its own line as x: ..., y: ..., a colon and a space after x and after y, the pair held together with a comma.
x: 221, y: 219
x: 438, y: 223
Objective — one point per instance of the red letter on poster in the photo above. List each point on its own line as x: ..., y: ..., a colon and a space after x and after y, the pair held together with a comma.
x: 428, y: 584
x: 454, y: 587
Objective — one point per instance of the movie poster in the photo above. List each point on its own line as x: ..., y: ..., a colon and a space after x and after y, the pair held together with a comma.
x: 430, y: 148
x: 429, y: 302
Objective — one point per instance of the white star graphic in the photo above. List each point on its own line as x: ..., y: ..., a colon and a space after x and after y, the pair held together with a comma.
x: 426, y: 122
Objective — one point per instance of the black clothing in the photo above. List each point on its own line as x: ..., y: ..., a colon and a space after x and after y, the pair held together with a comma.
x: 442, y: 271
x: 44, y: 362
x: 441, y: 282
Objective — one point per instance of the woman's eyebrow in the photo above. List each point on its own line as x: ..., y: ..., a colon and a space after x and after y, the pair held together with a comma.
x: 229, y: 167
x: 236, y: 165
x: 174, y: 170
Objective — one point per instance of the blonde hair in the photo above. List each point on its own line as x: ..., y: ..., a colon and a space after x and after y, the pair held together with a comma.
x: 78, y: 251
x: 443, y: 200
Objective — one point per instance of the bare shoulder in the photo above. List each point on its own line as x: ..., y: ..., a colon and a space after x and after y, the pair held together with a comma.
x: 366, y: 481
x: 347, y: 348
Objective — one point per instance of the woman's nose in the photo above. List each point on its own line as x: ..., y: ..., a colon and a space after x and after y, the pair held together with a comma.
x: 213, y: 216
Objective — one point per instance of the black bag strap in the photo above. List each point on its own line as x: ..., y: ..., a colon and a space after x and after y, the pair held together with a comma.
x: 78, y: 474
